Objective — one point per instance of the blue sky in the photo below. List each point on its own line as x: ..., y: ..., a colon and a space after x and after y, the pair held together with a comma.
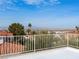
x: 41, y: 13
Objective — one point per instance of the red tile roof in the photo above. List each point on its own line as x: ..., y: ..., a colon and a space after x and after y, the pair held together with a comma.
x: 6, y: 48
x: 5, y: 33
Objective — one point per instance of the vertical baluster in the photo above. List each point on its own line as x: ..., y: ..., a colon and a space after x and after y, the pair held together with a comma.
x: 34, y: 45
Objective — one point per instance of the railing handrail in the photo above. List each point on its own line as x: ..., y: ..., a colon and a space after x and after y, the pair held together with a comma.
x: 35, y: 42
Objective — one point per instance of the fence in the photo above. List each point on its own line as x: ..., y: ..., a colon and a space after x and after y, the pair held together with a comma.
x: 74, y: 40
x: 31, y: 43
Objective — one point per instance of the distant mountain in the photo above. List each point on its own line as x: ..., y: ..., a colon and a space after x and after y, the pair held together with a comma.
x: 40, y: 28
x: 3, y: 28
x: 33, y: 27
x: 50, y: 28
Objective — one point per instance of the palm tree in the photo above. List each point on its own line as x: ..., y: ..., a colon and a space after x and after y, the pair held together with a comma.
x: 77, y: 28
x: 29, y: 28
x: 29, y: 25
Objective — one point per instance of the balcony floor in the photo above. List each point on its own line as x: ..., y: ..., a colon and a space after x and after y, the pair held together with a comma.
x: 59, y: 53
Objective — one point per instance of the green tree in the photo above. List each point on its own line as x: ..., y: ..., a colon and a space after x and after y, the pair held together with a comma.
x: 16, y: 29
x: 34, y: 32
x: 44, y: 32
x: 77, y: 28
x: 29, y: 25
x: 29, y: 30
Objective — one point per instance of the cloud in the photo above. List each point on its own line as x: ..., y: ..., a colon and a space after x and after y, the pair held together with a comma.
x: 41, y: 2
x: 13, y: 4
x: 36, y: 2
x: 7, y: 4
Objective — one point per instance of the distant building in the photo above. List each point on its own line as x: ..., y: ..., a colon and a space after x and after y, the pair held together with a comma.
x: 9, y: 47
x: 64, y: 31
x: 6, y: 48
x: 5, y: 33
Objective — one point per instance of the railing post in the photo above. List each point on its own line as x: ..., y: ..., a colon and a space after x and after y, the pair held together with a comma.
x: 34, y: 44
x: 67, y: 38
x: 77, y: 42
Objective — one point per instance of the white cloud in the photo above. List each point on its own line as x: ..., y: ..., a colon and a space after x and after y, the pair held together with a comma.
x: 10, y: 4
x: 30, y: 2
x: 41, y: 2
x: 33, y: 1
x: 7, y: 4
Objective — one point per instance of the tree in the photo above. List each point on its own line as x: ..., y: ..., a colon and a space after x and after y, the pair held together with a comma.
x: 29, y: 30
x: 16, y: 29
x: 44, y: 32
x: 77, y: 28
x: 29, y: 25
x: 34, y: 32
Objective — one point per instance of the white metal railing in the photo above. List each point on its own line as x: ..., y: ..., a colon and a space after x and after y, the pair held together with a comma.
x: 31, y: 43
x: 74, y: 40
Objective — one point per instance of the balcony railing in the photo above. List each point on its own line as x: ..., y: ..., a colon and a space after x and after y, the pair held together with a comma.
x: 74, y: 40
x: 31, y: 43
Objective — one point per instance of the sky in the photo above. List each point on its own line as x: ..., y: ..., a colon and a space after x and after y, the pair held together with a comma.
x: 41, y: 13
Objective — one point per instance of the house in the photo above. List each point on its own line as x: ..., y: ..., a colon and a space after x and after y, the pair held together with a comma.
x: 74, y: 34
x: 61, y: 31
x: 7, y: 48
x: 5, y: 33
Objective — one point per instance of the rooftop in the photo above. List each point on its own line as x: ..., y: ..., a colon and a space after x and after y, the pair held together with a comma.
x: 60, y: 53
